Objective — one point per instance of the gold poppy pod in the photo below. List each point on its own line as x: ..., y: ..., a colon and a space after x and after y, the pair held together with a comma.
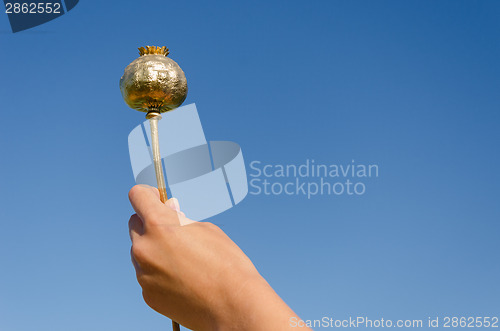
x: 153, y: 82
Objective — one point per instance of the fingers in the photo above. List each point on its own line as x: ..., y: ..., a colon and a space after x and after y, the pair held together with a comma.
x: 135, y: 227
x: 146, y: 203
x: 134, y: 262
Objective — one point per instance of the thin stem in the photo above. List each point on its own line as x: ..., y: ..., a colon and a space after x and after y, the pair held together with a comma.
x: 155, y: 145
x: 160, y: 180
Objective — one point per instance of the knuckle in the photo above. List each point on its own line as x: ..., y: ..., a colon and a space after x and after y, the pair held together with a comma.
x: 166, y: 231
x: 139, y: 253
x: 137, y: 190
x: 151, y: 298
x: 142, y: 280
x: 133, y: 192
x: 146, y: 296
x: 161, y: 218
x: 211, y: 226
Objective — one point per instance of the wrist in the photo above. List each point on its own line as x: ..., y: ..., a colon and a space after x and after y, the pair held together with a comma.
x: 254, y: 305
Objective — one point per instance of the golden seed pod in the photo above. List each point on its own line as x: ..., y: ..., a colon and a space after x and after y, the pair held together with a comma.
x: 153, y: 82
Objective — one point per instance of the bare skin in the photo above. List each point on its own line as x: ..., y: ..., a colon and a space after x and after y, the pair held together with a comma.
x: 195, y: 274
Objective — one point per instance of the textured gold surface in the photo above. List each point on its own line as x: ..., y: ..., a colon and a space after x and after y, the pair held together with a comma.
x: 153, y: 81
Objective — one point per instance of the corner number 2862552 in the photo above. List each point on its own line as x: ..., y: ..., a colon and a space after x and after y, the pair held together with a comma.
x: 32, y: 8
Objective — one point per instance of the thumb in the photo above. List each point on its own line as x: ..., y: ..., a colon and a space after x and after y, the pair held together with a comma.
x: 146, y: 202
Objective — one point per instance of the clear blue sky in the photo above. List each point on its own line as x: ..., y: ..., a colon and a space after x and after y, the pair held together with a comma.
x: 412, y: 86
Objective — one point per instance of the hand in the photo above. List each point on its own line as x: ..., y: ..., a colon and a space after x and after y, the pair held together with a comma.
x: 195, y: 274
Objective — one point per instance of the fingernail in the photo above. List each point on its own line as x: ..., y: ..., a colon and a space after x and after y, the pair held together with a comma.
x: 173, y: 203
x: 145, y: 186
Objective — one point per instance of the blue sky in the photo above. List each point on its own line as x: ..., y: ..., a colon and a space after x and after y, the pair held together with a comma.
x: 409, y: 85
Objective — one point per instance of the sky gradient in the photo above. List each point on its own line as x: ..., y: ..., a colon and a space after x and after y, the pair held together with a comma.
x: 412, y: 86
